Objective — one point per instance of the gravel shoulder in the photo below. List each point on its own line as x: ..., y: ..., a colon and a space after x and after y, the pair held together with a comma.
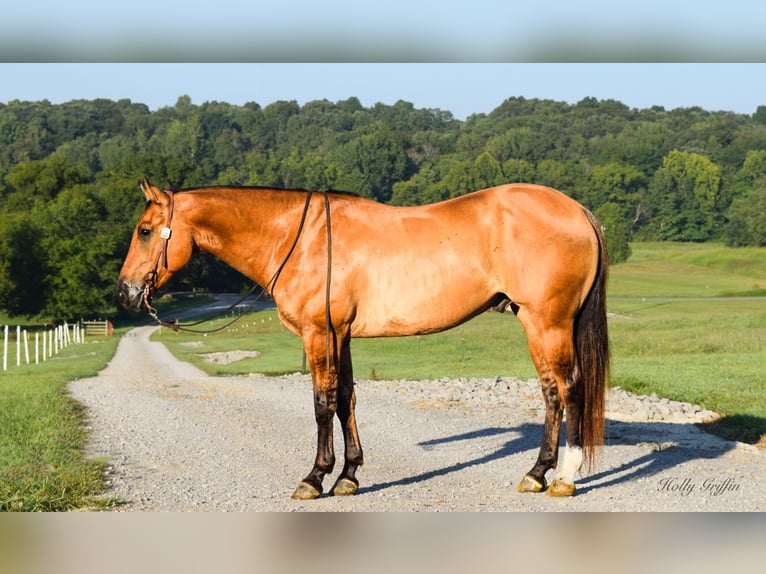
x: 180, y: 440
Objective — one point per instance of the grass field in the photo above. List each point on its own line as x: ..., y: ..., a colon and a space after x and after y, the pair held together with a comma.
x: 42, y: 437
x: 687, y: 322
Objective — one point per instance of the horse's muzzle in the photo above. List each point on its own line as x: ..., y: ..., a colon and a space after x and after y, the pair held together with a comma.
x: 130, y: 296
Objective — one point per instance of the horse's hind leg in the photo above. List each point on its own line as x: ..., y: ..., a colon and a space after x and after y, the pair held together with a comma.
x: 552, y: 350
x: 347, y: 483
x: 534, y: 480
x: 563, y: 483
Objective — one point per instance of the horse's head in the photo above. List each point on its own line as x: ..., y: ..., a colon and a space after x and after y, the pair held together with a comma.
x: 161, y: 245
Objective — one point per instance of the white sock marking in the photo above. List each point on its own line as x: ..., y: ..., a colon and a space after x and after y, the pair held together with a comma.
x: 572, y: 463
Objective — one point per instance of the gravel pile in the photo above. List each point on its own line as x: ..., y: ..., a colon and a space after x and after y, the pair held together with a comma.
x: 509, y: 392
x: 179, y: 440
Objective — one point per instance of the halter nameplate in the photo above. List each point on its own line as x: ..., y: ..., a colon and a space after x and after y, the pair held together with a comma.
x: 165, y: 233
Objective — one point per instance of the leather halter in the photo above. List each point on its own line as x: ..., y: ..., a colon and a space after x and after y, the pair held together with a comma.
x: 150, y: 279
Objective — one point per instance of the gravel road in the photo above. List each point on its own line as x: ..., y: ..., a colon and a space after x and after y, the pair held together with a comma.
x: 180, y: 440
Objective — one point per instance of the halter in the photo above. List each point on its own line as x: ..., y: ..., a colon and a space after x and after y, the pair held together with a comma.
x: 150, y: 279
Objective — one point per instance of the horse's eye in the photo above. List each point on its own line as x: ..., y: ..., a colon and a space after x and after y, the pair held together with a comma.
x: 144, y: 232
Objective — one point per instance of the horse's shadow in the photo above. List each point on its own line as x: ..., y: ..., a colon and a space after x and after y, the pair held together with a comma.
x: 661, y: 456
x: 527, y: 433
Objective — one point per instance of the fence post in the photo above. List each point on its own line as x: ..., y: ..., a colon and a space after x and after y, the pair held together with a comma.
x: 26, y: 346
x: 18, y: 345
x: 5, y: 349
x: 37, y: 347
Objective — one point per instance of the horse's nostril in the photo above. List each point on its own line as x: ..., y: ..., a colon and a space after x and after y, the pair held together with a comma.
x: 123, y: 294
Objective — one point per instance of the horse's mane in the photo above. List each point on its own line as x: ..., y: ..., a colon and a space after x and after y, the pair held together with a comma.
x: 256, y: 188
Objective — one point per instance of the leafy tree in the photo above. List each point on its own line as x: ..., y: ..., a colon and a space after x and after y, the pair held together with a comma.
x: 372, y: 163
x: 616, y: 231
x: 81, y: 266
x: 487, y: 171
x: 23, y: 265
x: 519, y: 171
x: 553, y: 173
x: 747, y: 219
x: 684, y: 195
x: 747, y: 214
x: 42, y: 180
x: 620, y: 185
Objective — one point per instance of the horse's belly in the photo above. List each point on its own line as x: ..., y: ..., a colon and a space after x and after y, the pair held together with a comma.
x: 412, y: 313
x: 421, y: 286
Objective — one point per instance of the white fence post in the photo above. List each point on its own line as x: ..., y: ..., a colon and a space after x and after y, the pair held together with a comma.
x: 26, y: 346
x: 53, y: 341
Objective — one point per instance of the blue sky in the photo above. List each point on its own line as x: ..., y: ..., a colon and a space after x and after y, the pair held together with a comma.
x: 462, y: 89
x: 481, y: 45
x: 350, y: 30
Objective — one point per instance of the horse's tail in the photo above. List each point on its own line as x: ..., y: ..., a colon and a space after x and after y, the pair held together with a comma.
x: 592, y: 344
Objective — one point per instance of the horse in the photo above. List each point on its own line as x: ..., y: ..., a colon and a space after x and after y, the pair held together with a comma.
x: 340, y: 266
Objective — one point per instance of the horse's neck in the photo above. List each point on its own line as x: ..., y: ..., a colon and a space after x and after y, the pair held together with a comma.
x: 248, y: 230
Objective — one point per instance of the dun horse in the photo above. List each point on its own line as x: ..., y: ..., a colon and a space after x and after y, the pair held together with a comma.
x: 340, y: 266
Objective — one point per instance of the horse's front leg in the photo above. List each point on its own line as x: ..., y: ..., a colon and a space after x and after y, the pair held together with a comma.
x: 325, y: 382
x: 347, y: 483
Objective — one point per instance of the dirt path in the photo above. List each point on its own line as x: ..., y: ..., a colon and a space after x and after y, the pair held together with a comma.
x: 179, y: 439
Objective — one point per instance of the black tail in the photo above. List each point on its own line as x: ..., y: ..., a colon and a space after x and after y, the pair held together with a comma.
x: 592, y: 343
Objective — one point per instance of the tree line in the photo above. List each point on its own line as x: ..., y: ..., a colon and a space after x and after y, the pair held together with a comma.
x: 69, y: 173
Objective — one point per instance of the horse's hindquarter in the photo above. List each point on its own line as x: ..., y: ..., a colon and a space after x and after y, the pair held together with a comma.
x: 428, y: 268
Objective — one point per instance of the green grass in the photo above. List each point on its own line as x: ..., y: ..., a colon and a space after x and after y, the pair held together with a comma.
x: 42, y: 435
x: 689, y: 270
x: 690, y: 325
x: 710, y: 353
x: 685, y: 324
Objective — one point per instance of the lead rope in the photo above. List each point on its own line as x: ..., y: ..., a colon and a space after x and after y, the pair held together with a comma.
x: 327, y: 316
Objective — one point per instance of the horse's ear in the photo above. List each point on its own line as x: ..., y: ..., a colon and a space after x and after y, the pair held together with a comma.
x: 152, y: 193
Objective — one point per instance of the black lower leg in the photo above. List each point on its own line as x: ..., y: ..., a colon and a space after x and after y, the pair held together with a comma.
x: 574, y: 408
x: 549, y: 448
x: 324, y: 407
x: 353, y: 447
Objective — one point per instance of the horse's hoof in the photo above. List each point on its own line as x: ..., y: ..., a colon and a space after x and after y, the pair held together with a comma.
x: 530, y: 484
x: 345, y: 487
x: 560, y: 488
x: 306, y: 491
